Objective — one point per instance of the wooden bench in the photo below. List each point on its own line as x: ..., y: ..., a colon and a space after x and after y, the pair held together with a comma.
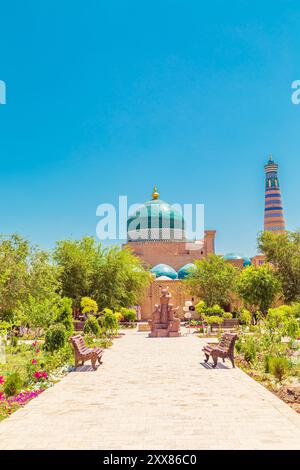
x: 224, y: 349
x: 83, y: 353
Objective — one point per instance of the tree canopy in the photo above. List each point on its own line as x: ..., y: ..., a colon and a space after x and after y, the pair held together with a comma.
x: 283, y: 251
x: 213, y: 281
x: 258, y: 287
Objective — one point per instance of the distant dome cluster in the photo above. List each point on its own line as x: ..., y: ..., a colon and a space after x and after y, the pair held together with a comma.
x: 238, y: 256
x: 161, y: 271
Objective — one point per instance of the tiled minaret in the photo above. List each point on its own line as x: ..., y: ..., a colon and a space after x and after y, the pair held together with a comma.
x: 274, y: 219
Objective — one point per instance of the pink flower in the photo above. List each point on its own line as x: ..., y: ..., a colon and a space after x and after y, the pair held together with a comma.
x: 33, y: 361
x: 37, y: 351
x: 1, y: 396
x: 2, y: 380
x: 34, y: 344
x: 44, y: 375
x: 37, y: 375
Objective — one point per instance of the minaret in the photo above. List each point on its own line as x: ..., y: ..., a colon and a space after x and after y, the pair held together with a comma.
x: 274, y: 219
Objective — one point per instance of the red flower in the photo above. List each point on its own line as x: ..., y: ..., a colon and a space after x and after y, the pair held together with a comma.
x: 1, y: 396
x: 34, y: 344
x: 37, y: 375
x: 37, y: 351
x: 44, y: 375
x: 33, y: 361
x: 2, y: 380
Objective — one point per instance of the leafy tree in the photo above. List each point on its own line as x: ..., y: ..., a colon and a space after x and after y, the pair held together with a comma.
x: 88, y: 305
x: 14, y: 253
x: 64, y: 315
x: 258, y: 287
x: 76, y: 259
x: 112, y: 276
x: 38, y: 314
x: 43, y: 276
x: 214, y: 280
x: 283, y: 251
x: 118, y: 279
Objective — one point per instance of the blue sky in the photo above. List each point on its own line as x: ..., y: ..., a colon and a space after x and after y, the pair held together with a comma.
x: 106, y: 98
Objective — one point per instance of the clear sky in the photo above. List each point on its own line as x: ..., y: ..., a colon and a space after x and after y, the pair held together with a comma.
x: 106, y: 98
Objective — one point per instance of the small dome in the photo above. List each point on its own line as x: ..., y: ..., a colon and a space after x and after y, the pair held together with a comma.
x: 233, y: 256
x: 186, y: 270
x: 247, y: 262
x: 164, y: 270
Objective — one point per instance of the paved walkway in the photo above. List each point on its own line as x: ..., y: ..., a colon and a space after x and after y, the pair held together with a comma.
x: 154, y: 394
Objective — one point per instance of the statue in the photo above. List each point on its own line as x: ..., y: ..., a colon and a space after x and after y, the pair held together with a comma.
x: 163, y: 322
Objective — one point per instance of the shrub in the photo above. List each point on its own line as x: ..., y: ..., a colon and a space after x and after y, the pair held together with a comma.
x: 245, y: 317
x: 238, y: 345
x: 249, y: 349
x: 227, y: 315
x: 12, y: 384
x: 279, y: 367
x: 129, y: 314
x: 13, y: 341
x: 213, y: 319
x: 92, y: 326
x: 55, y: 337
x: 292, y: 328
x: 88, y: 305
x: 267, y: 358
x: 65, y: 316
x: 110, y: 321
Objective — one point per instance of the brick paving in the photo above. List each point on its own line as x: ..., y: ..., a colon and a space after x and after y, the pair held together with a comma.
x: 154, y: 393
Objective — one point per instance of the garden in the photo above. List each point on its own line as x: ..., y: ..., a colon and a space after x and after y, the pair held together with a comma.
x: 42, y: 294
x: 264, y: 306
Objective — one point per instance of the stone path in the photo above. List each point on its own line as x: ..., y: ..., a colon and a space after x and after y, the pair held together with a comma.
x: 153, y: 393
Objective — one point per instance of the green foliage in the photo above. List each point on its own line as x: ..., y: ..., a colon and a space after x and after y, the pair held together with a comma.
x: 92, y: 326
x: 13, y: 341
x: 12, y: 384
x: 55, y: 337
x: 227, y: 315
x: 250, y: 349
x: 112, y: 276
x: 258, y: 287
x: 214, y: 280
x: 283, y: 251
x: 213, y: 319
x: 110, y: 321
x: 39, y: 313
x: 65, y: 316
x: 59, y: 358
x: 14, y: 254
x: 279, y: 367
x: 245, y: 317
x: 128, y: 314
x: 88, y: 305
x: 291, y: 328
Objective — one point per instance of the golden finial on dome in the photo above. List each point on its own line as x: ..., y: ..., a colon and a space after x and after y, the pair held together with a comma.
x: 155, y: 194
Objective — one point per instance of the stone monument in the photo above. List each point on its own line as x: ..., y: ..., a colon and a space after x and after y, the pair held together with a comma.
x: 164, y: 323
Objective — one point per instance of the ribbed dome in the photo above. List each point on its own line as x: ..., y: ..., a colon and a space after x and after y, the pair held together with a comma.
x: 186, y: 270
x: 164, y: 270
x: 156, y: 220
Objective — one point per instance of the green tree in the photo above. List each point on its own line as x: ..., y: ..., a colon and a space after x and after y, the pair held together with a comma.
x: 88, y: 305
x: 213, y: 281
x: 76, y: 260
x: 258, y: 287
x: 118, y: 279
x: 14, y: 253
x: 283, y: 251
x: 64, y: 315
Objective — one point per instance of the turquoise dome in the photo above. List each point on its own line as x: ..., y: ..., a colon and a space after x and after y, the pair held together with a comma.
x: 164, y: 270
x: 186, y: 270
x: 247, y: 262
x: 233, y: 256
x: 156, y: 220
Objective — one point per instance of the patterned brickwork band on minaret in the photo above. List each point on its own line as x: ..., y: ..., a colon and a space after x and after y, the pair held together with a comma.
x: 274, y: 219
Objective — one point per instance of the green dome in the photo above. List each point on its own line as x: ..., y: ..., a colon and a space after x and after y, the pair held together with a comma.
x: 156, y: 220
x: 164, y: 270
x: 186, y: 270
x: 233, y: 256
